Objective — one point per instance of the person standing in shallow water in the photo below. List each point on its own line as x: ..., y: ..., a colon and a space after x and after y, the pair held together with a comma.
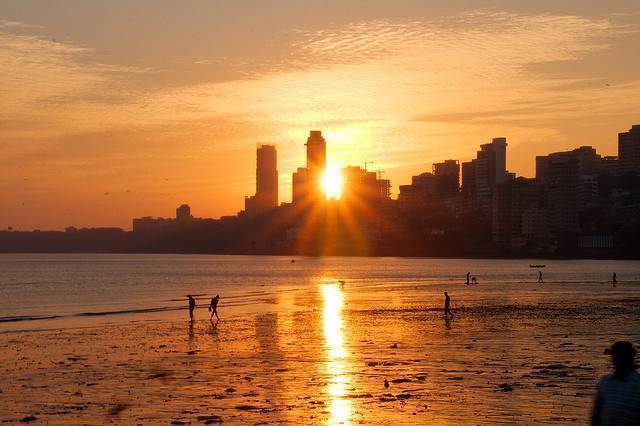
x: 614, y: 279
x: 213, y: 307
x: 617, y: 400
x: 447, y: 306
x: 192, y: 306
x: 540, y: 277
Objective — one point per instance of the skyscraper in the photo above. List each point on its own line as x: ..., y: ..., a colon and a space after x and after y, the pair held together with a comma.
x: 447, y: 175
x: 307, y: 182
x: 266, y: 177
x: 266, y: 197
x: 629, y: 150
x: 316, y: 152
x: 490, y: 170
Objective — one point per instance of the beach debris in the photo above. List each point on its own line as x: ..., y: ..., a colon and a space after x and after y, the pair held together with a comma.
x: 386, y: 383
x: 504, y: 387
x: 117, y: 409
x: 28, y: 419
x: 230, y: 390
x: 247, y: 407
x: 178, y: 422
x: 403, y: 396
x: 211, y: 419
x: 400, y: 380
x: 157, y: 375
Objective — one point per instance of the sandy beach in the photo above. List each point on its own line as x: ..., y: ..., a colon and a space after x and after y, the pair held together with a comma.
x: 494, y: 364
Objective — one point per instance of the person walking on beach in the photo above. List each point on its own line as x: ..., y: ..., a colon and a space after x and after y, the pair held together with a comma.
x: 447, y: 306
x: 614, y: 279
x: 213, y: 307
x: 468, y: 275
x: 617, y: 400
x: 540, y: 277
x: 192, y: 306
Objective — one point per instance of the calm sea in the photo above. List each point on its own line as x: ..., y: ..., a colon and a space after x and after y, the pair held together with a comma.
x: 69, y: 290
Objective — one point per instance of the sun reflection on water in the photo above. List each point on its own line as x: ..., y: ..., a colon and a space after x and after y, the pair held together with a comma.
x: 338, y: 379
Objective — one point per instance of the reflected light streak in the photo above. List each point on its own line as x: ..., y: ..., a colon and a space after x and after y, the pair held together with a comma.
x: 339, y: 406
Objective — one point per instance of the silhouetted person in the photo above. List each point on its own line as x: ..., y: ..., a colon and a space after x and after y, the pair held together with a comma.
x: 614, y: 279
x: 468, y: 274
x: 447, y: 305
x: 540, y: 277
x: 617, y: 400
x: 213, y: 307
x: 341, y: 284
x: 192, y: 306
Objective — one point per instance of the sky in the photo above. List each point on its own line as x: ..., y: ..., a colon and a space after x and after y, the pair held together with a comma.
x: 119, y: 109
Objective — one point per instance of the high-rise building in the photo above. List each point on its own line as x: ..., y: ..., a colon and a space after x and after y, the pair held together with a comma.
x: 469, y: 178
x: 183, y: 213
x: 447, y: 175
x: 629, y: 150
x: 362, y: 186
x: 588, y: 161
x: 490, y: 170
x: 316, y: 152
x: 266, y: 177
x: 570, y: 183
x: 499, y: 147
x: 266, y: 197
x: 307, y: 182
x: 301, y: 186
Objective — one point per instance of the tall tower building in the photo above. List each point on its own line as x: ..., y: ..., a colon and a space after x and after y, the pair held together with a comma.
x: 266, y: 177
x: 307, y: 182
x: 316, y: 152
x: 629, y: 150
x: 499, y: 147
x: 266, y: 197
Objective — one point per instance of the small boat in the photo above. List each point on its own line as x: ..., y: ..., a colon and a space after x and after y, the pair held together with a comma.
x: 537, y: 266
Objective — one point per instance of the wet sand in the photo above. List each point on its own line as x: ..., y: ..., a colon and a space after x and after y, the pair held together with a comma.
x: 506, y: 363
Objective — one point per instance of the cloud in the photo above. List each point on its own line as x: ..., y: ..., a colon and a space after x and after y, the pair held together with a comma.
x: 400, y: 92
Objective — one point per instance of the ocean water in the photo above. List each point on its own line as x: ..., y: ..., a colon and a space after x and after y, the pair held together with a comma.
x: 68, y: 290
x: 95, y: 339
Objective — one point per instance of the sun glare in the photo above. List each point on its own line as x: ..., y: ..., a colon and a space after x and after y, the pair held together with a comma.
x: 332, y: 182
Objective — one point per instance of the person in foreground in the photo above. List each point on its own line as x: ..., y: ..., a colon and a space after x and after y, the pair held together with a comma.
x: 447, y: 306
x: 617, y: 400
x: 213, y: 307
x: 192, y: 306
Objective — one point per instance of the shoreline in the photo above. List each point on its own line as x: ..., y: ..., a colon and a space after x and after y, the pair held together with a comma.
x: 326, y: 365
x: 530, y: 256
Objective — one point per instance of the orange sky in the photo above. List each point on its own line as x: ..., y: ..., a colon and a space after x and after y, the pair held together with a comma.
x: 114, y: 110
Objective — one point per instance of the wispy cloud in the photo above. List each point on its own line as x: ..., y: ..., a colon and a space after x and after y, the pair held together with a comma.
x: 403, y: 92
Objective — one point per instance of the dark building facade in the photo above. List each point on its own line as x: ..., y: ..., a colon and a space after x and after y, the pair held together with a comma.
x: 266, y: 197
x: 629, y: 150
x: 307, y: 182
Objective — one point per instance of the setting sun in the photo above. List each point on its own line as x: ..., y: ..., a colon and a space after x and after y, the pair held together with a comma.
x: 332, y: 182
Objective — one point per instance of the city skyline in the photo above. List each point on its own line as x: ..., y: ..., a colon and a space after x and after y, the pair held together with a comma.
x: 455, y: 185
x: 95, y: 129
